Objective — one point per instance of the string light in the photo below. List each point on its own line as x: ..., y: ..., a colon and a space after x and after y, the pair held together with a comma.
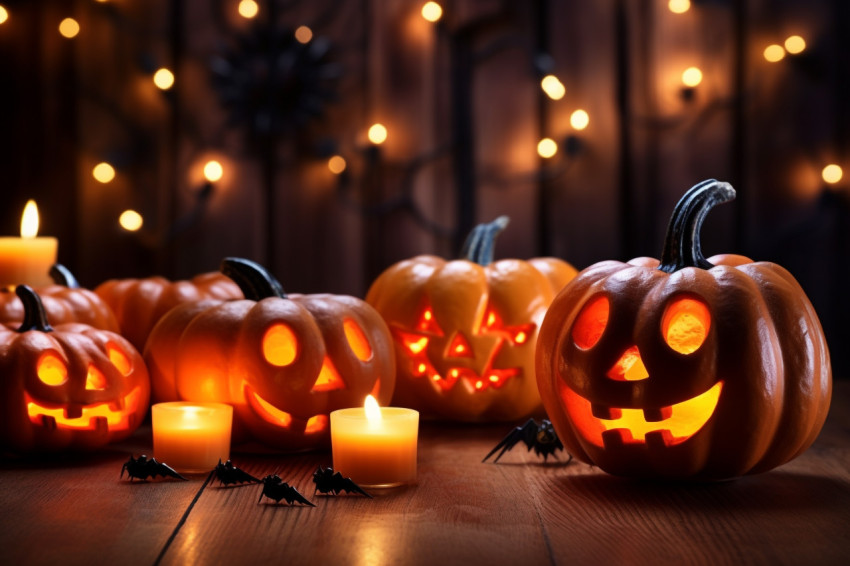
x: 377, y: 134
x: 579, y: 119
x: 553, y: 87
x: 691, y: 77
x: 774, y: 53
x: 547, y: 148
x: 679, y: 6
x: 69, y: 28
x: 832, y: 173
x: 303, y: 34
x: 213, y: 171
x: 103, y: 172
x: 4, y: 15
x: 795, y: 44
x: 432, y: 11
x: 131, y: 220
x: 248, y: 9
x: 337, y: 164
x: 163, y: 79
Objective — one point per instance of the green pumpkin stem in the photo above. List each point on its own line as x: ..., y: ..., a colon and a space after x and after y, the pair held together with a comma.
x: 253, y: 279
x: 61, y: 275
x: 481, y: 241
x: 34, y: 316
x: 682, y: 244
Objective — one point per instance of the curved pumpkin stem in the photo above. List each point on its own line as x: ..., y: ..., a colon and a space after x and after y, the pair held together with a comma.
x: 479, y: 245
x: 34, y: 316
x: 682, y: 244
x: 253, y: 279
x: 61, y: 275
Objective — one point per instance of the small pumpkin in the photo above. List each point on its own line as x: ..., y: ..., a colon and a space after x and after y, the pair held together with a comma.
x: 138, y: 304
x: 687, y: 367
x: 68, y: 387
x: 64, y: 301
x: 465, y: 330
x: 283, y: 361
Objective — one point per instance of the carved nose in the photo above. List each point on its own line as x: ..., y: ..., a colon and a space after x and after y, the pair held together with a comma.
x: 459, y: 347
x: 629, y: 367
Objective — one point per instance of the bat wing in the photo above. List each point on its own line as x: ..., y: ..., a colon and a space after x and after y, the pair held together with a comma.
x: 517, y: 435
x: 349, y: 486
x: 154, y: 468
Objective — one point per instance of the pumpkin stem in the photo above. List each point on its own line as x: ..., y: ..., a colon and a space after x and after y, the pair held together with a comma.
x: 34, y: 316
x: 479, y: 245
x: 61, y: 275
x: 682, y: 244
x: 253, y: 279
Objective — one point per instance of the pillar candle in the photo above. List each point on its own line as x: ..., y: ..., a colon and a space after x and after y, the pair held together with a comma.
x: 191, y: 437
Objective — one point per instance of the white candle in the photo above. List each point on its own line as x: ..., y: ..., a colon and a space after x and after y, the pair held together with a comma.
x: 375, y: 447
x: 27, y: 260
x: 191, y: 437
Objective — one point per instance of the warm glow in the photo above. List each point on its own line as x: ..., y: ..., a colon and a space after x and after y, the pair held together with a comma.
x: 357, y: 340
x: 316, y: 423
x: 832, y: 173
x: 547, y: 148
x: 685, y: 325
x: 337, y: 164
x: 416, y: 345
x: 163, y: 79
x: 269, y: 412
x: 591, y: 322
x: 553, y: 87
x: 329, y: 379
x: 248, y: 9
x: 4, y: 15
x: 213, y: 171
x: 579, y: 119
x: 95, y: 381
x: 774, y: 53
x: 629, y: 367
x: 119, y: 359
x: 459, y: 347
x: 52, y: 370
x: 373, y: 410
x: 91, y: 414
x: 679, y: 6
x: 795, y: 44
x: 29, y: 220
x: 103, y: 172
x: 521, y: 337
x: 69, y: 28
x: 377, y: 134
x: 280, y: 347
x: 130, y: 220
x: 432, y: 11
x: 691, y: 77
x: 303, y: 34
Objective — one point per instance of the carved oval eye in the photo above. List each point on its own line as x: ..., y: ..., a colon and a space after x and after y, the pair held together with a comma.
x: 685, y: 324
x: 119, y: 359
x: 280, y: 346
x: 51, y: 369
x: 357, y: 340
x: 591, y: 322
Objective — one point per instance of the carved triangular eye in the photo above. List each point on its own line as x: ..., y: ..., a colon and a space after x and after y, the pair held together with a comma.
x: 591, y: 322
x: 428, y: 322
x: 459, y: 347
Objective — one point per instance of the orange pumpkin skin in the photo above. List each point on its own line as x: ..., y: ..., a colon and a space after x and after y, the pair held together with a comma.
x: 465, y: 333
x: 103, y: 397
x: 756, y: 360
x: 214, y: 351
x: 63, y: 302
x: 138, y: 304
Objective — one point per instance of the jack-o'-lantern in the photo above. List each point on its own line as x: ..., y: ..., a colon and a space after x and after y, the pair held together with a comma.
x: 72, y: 387
x: 465, y: 330
x: 283, y: 361
x: 687, y: 368
x: 139, y: 303
x: 64, y: 301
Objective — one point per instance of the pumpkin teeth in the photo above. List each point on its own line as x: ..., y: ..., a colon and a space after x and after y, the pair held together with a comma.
x: 603, y: 412
x: 48, y: 422
x: 80, y: 417
x: 73, y: 411
x: 657, y: 415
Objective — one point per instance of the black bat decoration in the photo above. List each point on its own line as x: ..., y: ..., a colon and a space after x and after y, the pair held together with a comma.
x: 277, y: 489
x: 542, y: 438
x: 227, y: 474
x: 327, y: 481
x: 143, y: 468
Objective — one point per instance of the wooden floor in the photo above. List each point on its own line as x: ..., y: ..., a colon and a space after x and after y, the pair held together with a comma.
x: 519, y: 511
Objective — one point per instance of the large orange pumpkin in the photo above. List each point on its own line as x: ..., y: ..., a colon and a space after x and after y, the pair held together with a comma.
x: 465, y: 330
x: 685, y: 368
x: 138, y: 304
x: 283, y: 361
x: 72, y: 387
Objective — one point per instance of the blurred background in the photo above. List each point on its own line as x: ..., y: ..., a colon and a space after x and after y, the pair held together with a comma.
x: 328, y: 139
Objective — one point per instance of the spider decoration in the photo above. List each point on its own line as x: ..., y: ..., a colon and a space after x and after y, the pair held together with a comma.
x: 541, y: 438
x: 228, y: 474
x: 142, y: 468
x: 270, y: 83
x: 277, y: 489
x: 327, y: 481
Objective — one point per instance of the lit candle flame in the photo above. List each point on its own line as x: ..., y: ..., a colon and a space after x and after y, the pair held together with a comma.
x: 29, y: 220
x: 373, y: 410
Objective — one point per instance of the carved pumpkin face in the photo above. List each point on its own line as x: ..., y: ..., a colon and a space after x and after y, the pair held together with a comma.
x: 72, y: 387
x: 658, y: 369
x: 284, y: 363
x: 465, y: 333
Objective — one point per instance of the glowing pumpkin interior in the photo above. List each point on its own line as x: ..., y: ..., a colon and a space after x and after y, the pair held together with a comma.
x: 415, y: 344
x: 684, y: 327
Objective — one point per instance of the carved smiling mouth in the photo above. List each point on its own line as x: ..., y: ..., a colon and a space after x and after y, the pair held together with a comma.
x: 668, y: 426
x: 280, y: 418
x: 97, y: 416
